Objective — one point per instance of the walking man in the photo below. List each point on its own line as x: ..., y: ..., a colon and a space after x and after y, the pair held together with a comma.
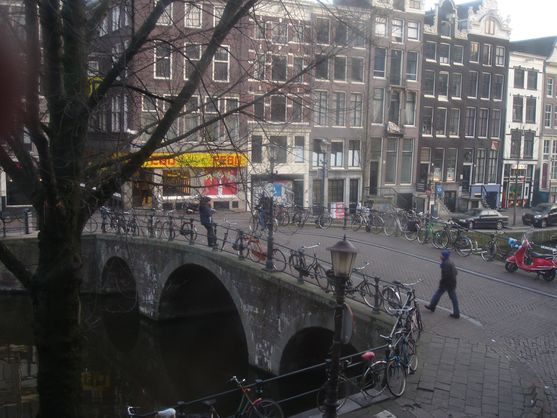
x: 206, y: 218
x: 446, y: 284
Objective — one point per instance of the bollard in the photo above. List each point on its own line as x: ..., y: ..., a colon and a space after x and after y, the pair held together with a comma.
x: 192, y: 232
x: 300, y: 277
x: 376, y: 296
x: 241, y: 245
x: 215, y: 244
x: 27, y: 220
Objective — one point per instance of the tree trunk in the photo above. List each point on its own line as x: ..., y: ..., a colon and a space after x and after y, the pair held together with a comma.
x: 56, y: 323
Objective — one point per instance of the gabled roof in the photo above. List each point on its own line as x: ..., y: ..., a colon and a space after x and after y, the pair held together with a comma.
x: 540, y: 46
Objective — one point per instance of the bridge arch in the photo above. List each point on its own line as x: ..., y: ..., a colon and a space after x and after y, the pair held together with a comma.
x: 117, y: 277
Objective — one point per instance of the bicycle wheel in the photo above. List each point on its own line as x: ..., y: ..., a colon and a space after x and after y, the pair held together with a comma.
x: 417, y: 325
x: 463, y: 246
x: 294, y: 264
x: 368, y: 292
x: 373, y: 380
x: 440, y: 239
x: 279, y: 260
x: 391, y: 300
x: 421, y: 235
x: 283, y: 218
x: 410, y: 355
x: 389, y: 226
x: 266, y: 408
x: 319, y: 274
x: 324, y: 221
x: 490, y: 252
x: 253, y: 252
x: 377, y: 224
x: 91, y: 226
x: 396, y: 378
x: 411, y: 234
x: 341, y: 394
x: 188, y: 231
x: 356, y: 222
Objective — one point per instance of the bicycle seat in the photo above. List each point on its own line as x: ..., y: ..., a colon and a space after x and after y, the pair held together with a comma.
x: 368, y: 356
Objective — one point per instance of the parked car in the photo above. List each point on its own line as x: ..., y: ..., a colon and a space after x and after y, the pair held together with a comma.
x: 482, y: 219
x: 542, y: 215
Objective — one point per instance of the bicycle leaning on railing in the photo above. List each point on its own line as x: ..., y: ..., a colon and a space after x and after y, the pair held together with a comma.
x: 300, y: 267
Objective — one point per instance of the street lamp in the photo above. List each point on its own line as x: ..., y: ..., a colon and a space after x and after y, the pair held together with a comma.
x: 269, y: 266
x: 323, y: 144
x: 343, y: 256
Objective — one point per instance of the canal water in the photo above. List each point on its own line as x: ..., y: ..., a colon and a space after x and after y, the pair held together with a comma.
x: 129, y: 359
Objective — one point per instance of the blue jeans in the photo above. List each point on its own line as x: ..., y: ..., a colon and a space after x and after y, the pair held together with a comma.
x: 452, y: 294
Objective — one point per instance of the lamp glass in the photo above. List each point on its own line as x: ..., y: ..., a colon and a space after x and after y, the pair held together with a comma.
x: 343, y: 256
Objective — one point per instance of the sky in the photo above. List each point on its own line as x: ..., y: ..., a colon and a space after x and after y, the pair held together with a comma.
x: 529, y: 19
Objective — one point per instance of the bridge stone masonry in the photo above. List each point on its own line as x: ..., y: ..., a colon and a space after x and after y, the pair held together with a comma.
x: 280, y: 317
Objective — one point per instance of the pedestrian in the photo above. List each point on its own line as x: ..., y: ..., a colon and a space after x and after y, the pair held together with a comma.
x: 446, y: 284
x: 263, y: 209
x: 206, y: 218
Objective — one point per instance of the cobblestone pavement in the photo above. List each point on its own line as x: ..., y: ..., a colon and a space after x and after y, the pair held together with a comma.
x: 497, y: 360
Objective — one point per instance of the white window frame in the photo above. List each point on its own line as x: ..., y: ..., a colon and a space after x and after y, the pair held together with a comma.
x: 341, y: 57
x: 550, y: 84
x: 498, y: 56
x: 340, y: 113
x: 115, y: 18
x: 413, y: 27
x: 397, y: 30
x: 116, y: 114
x: 548, y: 112
x: 193, y: 15
x: 165, y: 19
x: 380, y: 26
x: 156, y: 59
x: 220, y: 61
x: 334, y: 157
x: 188, y: 59
x: 444, y: 60
x: 217, y: 14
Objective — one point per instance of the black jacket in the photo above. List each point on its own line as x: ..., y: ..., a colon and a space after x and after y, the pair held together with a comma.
x: 448, y: 275
x: 205, y: 213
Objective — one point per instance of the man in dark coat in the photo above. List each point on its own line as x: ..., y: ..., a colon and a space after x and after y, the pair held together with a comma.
x: 206, y: 219
x: 446, y: 284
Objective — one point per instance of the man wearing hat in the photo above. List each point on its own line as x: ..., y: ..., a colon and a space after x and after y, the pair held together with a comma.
x: 206, y: 218
x: 446, y: 284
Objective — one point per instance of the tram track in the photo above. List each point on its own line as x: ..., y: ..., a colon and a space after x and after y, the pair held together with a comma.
x: 435, y: 261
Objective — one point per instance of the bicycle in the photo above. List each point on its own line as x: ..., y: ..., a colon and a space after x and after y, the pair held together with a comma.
x: 324, y: 220
x: 227, y: 229
x: 167, y: 230
x: 371, y: 383
x: 425, y: 229
x: 361, y: 218
x: 188, y: 230
x: 448, y: 238
x: 255, y: 252
x: 300, y: 267
x: 491, y: 250
x: 300, y: 216
x: 255, y: 223
x: 392, y: 224
x: 282, y: 214
x: 366, y: 288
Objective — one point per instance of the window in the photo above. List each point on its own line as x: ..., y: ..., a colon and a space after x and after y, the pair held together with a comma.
x: 407, y: 161
x: 341, y: 34
x: 430, y: 50
x: 378, y: 105
x: 278, y: 68
x: 321, y: 67
x: 532, y: 83
x: 191, y: 118
x: 337, y: 157
x: 443, y: 85
x: 429, y: 83
x: 473, y: 87
x: 340, y: 108
x: 394, y: 107
x: 451, y: 165
x: 260, y: 30
x: 163, y: 60
x: 437, y: 163
x: 487, y: 54
x: 320, y: 113
x: 518, y: 107
x: 480, y: 165
x: 278, y: 108
x: 116, y: 114
x: 281, y: 144
x: 298, y: 68
x: 279, y: 32
x: 259, y: 66
x: 217, y: 14
x: 339, y: 72
x: 358, y: 38
x: 221, y: 64
x: 546, y: 145
x: 232, y: 121
x: 549, y: 90
x: 354, y: 153
x: 470, y: 122
x: 358, y: 69
x: 455, y: 88
x: 483, y: 123
x: 297, y: 33
x: 297, y: 110
x: 412, y: 66
x: 500, y: 57
x: 498, y: 81
x: 528, y: 144
x: 116, y: 18
x: 515, y: 143
x: 193, y: 13
x: 396, y: 67
x: 356, y: 110
x: 211, y: 132
x: 379, y: 62
x: 413, y: 30
x: 256, y: 149
x: 410, y: 109
x: 492, y: 166
x: 322, y: 31
x: 547, y: 116
x: 518, y: 78
x: 444, y: 53
x: 486, y: 86
x: 259, y: 108
x: 427, y: 120
x: 490, y: 26
x: 474, y: 52
x: 454, y: 122
x: 336, y: 190
x: 318, y: 155
x: 458, y: 54
x: 390, y: 161
x: 495, y: 124
x: 397, y: 29
x: 299, y: 144
x: 530, y: 109
x: 441, y: 121
x: 191, y: 59
x: 380, y: 26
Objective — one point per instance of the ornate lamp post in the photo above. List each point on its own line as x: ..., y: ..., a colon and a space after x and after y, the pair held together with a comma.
x: 343, y: 256
x: 269, y: 266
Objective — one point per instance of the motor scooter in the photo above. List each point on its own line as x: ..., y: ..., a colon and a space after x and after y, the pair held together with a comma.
x: 544, y: 265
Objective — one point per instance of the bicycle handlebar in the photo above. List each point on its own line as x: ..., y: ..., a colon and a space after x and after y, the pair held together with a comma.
x: 362, y: 267
x: 310, y: 246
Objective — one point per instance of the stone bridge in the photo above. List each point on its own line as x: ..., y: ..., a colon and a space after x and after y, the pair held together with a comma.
x: 284, y: 322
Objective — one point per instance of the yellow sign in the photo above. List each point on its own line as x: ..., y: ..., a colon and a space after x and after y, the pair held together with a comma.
x: 197, y: 159
x: 93, y: 83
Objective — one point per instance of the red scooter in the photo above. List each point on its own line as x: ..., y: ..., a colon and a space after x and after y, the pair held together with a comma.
x: 544, y: 265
